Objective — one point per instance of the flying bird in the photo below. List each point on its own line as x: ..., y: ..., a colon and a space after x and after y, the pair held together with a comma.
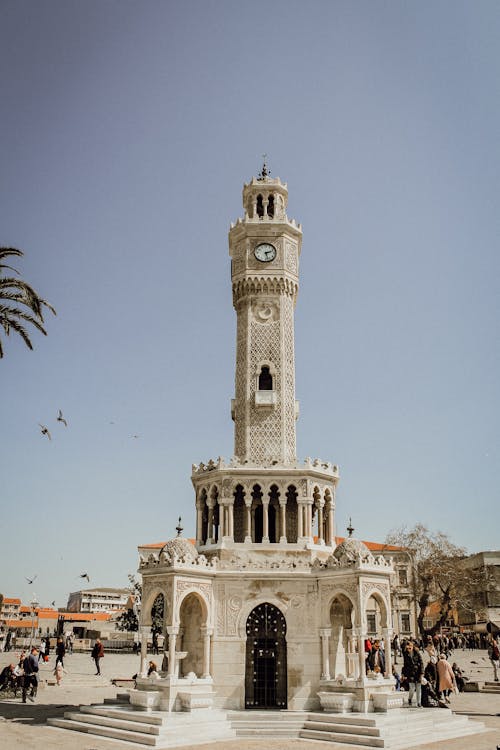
x: 44, y: 430
x: 53, y: 604
x: 135, y: 436
x: 60, y: 418
x: 85, y: 575
x: 30, y: 580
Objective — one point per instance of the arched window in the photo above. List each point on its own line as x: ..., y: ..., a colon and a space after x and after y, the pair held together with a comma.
x: 260, y: 206
x: 270, y: 206
x: 265, y: 379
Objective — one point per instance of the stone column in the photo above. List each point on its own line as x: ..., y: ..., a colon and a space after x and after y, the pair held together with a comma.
x: 230, y: 521
x: 265, y: 520
x: 321, y: 539
x: 300, y: 520
x: 206, y: 635
x: 387, y: 636
x: 199, y: 524
x: 283, y: 521
x: 331, y: 526
x: 361, y: 653
x: 144, y: 633
x: 325, y: 634
x: 248, y: 521
x: 210, y: 524
x: 309, y: 531
x: 173, y: 631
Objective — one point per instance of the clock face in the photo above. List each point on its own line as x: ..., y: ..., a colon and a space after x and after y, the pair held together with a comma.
x: 265, y: 252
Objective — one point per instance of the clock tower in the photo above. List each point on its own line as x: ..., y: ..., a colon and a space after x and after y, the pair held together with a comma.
x: 263, y: 499
x: 265, y: 248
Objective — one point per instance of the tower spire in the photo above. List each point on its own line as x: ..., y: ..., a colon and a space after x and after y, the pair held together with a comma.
x: 264, y: 172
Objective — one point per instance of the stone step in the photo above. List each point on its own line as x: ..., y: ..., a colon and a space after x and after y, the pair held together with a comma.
x: 343, y: 737
x: 125, y: 714
x: 108, y: 721
x: 335, y: 727
x: 117, y: 734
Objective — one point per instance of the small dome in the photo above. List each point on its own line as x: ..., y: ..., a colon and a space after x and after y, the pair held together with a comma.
x: 181, y: 548
x: 350, y: 549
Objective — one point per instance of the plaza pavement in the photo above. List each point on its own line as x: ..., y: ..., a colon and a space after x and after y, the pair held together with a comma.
x: 23, y: 726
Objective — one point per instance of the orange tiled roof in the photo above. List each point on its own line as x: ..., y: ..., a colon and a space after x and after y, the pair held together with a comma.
x: 84, y: 616
x: 24, y: 608
x: 6, y: 600
x: 19, y: 623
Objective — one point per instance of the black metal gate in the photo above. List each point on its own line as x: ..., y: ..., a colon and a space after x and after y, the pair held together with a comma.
x: 265, y: 673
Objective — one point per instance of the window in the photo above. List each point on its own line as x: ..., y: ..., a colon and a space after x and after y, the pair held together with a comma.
x: 405, y: 622
x: 270, y: 206
x: 371, y: 622
x: 403, y: 577
x: 260, y: 206
x: 265, y: 379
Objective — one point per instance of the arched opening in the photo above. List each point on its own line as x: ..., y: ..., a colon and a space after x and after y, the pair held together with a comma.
x: 239, y: 513
x: 274, y: 513
x: 191, y: 622
x: 270, y: 206
x: 266, y: 659
x: 342, y: 647
x: 204, y: 516
x: 157, y: 624
x: 291, y: 514
x: 258, y: 521
x: 260, y: 206
x: 265, y: 379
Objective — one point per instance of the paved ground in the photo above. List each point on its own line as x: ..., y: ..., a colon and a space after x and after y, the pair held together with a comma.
x: 23, y: 726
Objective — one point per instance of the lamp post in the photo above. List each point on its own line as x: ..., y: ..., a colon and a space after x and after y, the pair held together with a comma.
x: 34, y: 605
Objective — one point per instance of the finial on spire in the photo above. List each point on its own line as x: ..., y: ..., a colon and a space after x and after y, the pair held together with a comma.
x: 350, y: 528
x: 264, y: 172
x: 179, y: 528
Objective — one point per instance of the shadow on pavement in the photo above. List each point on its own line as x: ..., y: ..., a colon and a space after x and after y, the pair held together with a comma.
x: 33, y: 713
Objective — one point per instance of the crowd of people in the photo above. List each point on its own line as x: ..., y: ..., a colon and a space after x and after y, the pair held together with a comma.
x: 426, y: 673
x: 22, y: 676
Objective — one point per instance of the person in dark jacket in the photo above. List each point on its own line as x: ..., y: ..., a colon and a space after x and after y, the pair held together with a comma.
x: 376, y: 658
x: 413, y: 669
x: 97, y: 654
x: 60, y: 652
x: 30, y: 667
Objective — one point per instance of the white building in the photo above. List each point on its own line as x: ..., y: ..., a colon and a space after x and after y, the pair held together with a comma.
x: 98, y: 600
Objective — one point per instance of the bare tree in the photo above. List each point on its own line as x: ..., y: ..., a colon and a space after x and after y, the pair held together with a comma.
x: 439, y: 574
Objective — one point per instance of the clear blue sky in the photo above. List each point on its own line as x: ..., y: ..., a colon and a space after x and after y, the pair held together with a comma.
x: 127, y: 131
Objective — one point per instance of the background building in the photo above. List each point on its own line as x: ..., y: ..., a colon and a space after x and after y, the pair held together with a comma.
x: 98, y: 600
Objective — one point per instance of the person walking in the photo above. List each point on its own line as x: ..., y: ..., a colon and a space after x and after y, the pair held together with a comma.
x: 30, y: 669
x: 60, y: 652
x: 97, y: 654
x: 413, y: 669
x: 59, y: 671
x: 41, y: 650
x: 446, y: 678
x: 494, y: 657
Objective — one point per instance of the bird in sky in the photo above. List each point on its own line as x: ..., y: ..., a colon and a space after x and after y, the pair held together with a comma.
x: 44, y: 430
x: 53, y: 604
x: 60, y: 418
x: 30, y: 580
x: 85, y: 575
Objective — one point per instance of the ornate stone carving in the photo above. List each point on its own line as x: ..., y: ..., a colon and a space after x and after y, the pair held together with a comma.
x: 265, y: 311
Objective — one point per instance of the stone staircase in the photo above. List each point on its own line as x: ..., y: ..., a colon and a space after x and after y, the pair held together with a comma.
x: 267, y: 724
x: 491, y: 687
x: 395, y: 730
x: 120, y: 721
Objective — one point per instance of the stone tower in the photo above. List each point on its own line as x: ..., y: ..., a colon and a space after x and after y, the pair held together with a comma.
x: 263, y: 498
x: 265, y: 247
